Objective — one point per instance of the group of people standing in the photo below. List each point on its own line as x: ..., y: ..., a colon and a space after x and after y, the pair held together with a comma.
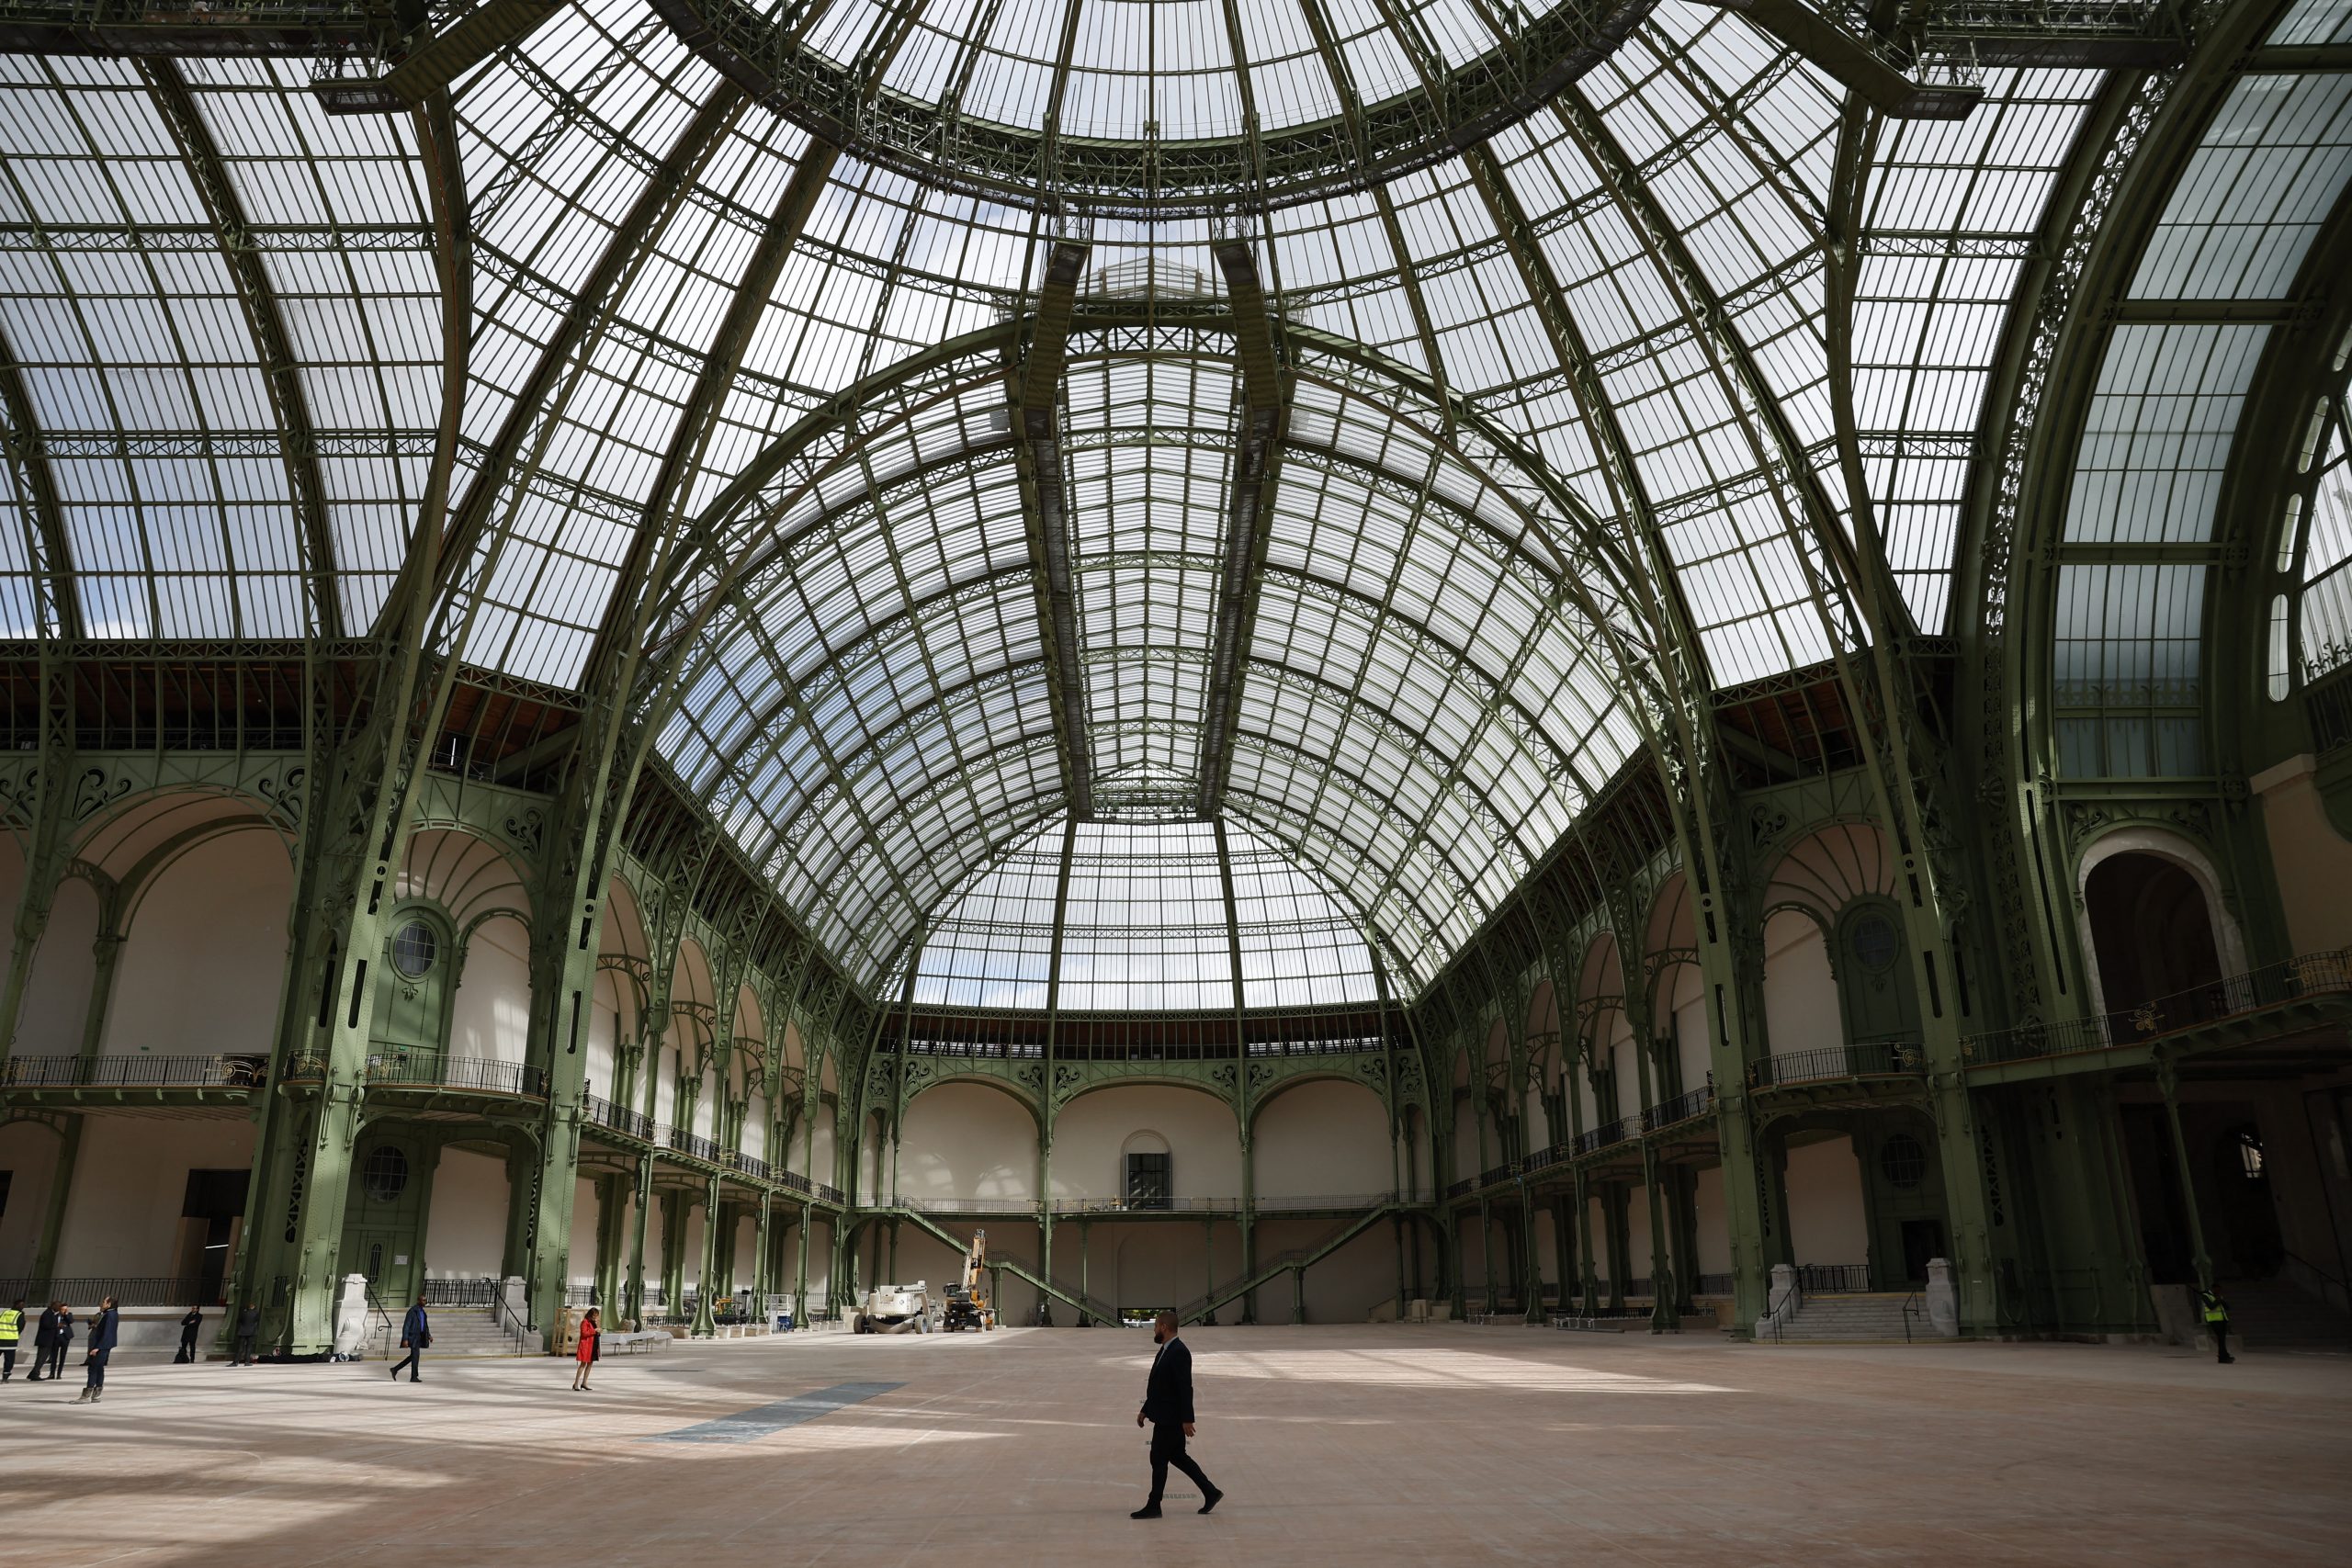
x: 52, y: 1337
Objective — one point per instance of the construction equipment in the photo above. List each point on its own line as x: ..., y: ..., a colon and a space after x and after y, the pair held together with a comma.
x: 968, y: 1305
x: 895, y: 1309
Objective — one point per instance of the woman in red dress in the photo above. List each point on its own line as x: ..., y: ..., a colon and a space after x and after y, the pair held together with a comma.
x: 588, y: 1332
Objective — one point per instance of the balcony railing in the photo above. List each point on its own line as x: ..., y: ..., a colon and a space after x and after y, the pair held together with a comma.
x: 424, y: 1070
x: 792, y: 1181
x: 829, y: 1192
x: 2326, y: 972
x: 1894, y: 1056
x: 1608, y: 1135
x: 135, y: 1072
x: 1687, y: 1107
x: 1456, y: 1189
x: 694, y: 1144
x: 751, y: 1166
x: 159, y: 1290
x: 1833, y: 1279
x: 1145, y: 1203
x: 603, y: 1112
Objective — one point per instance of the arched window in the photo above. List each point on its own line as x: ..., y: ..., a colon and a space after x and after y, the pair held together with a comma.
x: 2311, y: 620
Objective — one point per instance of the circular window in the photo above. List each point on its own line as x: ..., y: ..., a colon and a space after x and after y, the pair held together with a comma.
x: 1873, y: 942
x: 385, y: 1174
x: 1902, y: 1161
x: 414, y: 947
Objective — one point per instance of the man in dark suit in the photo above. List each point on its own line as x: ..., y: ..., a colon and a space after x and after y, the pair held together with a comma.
x: 416, y: 1333
x: 1167, y: 1406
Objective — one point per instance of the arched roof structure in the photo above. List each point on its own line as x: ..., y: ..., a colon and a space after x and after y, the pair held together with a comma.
x: 1319, y: 416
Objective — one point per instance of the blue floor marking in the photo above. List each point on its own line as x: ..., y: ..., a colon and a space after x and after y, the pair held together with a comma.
x: 753, y: 1425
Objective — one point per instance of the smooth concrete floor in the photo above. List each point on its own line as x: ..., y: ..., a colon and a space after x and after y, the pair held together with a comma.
x: 1369, y: 1444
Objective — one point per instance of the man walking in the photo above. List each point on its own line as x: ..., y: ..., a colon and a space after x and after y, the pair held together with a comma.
x: 416, y: 1333
x: 93, y: 1361
x: 12, y: 1329
x: 248, y: 1331
x: 1167, y: 1406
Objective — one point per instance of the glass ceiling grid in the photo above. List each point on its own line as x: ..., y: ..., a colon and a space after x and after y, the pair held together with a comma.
x: 1419, y: 720
x: 178, y: 520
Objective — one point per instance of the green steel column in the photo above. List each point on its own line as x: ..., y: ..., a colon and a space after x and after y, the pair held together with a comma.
x: 800, y: 1273
x: 1403, y: 1293
x: 1046, y: 1221
x: 2168, y: 1083
x: 762, y: 1276
x: 612, y: 1214
x: 1587, y: 1276
x: 1533, y: 1312
x: 1085, y: 1256
x: 714, y: 1214
x: 1298, y: 1292
x: 673, y: 1251
x: 1208, y: 1270
x: 521, y: 1177
x: 1249, y: 1226
x: 1487, y: 1245
x: 1564, y: 1245
x: 641, y: 1194
x: 1663, y: 1313
x: 1617, y: 1214
x: 46, y: 856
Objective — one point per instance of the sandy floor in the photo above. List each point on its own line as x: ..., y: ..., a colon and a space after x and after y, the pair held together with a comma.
x: 1388, y: 1444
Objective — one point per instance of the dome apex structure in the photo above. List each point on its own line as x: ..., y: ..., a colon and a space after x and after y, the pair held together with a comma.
x: 1160, y: 106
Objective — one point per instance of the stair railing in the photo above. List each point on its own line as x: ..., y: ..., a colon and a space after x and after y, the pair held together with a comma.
x: 1912, y: 1305
x: 518, y: 1333
x: 378, y: 1308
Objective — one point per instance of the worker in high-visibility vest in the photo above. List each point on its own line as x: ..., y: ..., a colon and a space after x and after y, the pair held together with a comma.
x: 12, y: 1328
x: 2217, y: 1324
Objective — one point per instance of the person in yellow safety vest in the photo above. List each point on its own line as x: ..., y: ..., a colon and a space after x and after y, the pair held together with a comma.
x: 12, y: 1328
x: 2217, y: 1324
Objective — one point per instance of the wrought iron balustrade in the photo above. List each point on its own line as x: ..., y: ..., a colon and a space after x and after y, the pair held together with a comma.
x: 1685, y: 1107
x: 1147, y: 1204
x: 750, y: 1164
x: 482, y: 1293
x: 1607, y: 1135
x: 2310, y: 974
x: 694, y: 1144
x: 1833, y: 1279
x: 140, y: 1071
x: 424, y: 1070
x: 972, y: 1205
x: 792, y: 1180
x: 829, y: 1192
x: 81, y: 1291
x: 603, y: 1112
x: 1456, y: 1189
x: 1893, y: 1056
x: 1711, y: 1285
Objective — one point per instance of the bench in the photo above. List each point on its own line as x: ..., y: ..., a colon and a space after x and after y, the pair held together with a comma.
x: 621, y: 1344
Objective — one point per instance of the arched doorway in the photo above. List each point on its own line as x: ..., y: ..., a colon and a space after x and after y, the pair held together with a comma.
x: 2151, y: 928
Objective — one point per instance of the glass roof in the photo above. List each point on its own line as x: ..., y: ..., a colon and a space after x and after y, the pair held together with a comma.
x: 1513, y: 380
x: 1152, y: 923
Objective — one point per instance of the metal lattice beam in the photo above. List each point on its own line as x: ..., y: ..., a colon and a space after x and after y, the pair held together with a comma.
x: 55, y: 602
x: 1256, y: 466
x: 1044, y: 496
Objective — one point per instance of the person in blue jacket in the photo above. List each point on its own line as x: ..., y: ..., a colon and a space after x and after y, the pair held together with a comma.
x: 416, y: 1333
x: 101, y: 1346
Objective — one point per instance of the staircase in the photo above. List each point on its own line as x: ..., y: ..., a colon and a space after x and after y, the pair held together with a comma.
x: 2274, y: 1315
x: 457, y: 1331
x: 1867, y: 1319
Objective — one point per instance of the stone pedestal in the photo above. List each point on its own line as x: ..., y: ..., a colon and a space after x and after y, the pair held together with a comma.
x: 351, y: 1317
x: 1781, y: 1300
x: 1943, y: 1299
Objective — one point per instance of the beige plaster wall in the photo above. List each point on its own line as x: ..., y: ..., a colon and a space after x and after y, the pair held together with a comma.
x: 1089, y: 1133
x: 465, y: 1230
x: 1825, y: 1219
x: 1323, y: 1139
x: 29, y: 1153
x: 1800, y: 993
x: 491, y: 1019
x: 965, y: 1140
x: 122, y: 1216
x: 57, y: 994
x: 2313, y: 860
x: 205, y: 955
